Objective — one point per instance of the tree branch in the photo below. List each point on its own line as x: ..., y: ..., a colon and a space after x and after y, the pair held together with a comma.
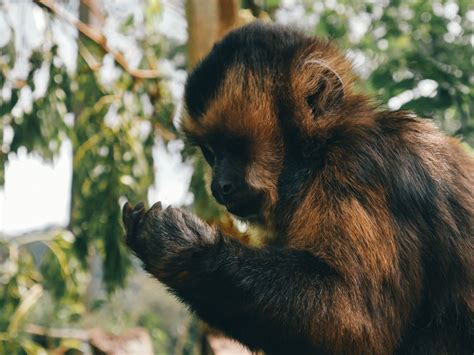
x: 43, y: 234
x: 98, y: 37
x: 78, y: 334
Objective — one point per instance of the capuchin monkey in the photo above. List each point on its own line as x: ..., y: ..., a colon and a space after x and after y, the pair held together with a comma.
x: 369, y: 212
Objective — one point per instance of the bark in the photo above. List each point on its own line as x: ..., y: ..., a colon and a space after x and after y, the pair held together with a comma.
x: 208, y: 21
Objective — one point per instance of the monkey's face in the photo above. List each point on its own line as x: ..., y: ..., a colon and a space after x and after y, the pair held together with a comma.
x: 228, y: 157
x: 243, y: 150
x: 256, y: 102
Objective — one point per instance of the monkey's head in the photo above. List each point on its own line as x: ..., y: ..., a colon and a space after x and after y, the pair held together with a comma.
x: 257, y: 106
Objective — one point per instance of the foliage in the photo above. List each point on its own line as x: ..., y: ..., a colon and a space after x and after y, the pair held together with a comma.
x: 109, y: 123
x: 112, y: 121
x: 30, y: 269
x: 415, y: 55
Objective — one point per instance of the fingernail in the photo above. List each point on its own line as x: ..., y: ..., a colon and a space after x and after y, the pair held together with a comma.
x: 139, y: 206
x: 127, y: 208
x: 157, y: 205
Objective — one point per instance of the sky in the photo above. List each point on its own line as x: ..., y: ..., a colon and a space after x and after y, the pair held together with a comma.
x: 36, y: 194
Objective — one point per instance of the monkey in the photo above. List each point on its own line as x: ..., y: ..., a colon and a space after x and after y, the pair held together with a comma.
x: 369, y: 212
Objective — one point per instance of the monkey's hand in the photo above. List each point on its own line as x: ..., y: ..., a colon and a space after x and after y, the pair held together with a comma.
x: 160, y: 236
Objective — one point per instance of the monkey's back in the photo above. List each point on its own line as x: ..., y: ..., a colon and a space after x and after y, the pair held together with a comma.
x: 411, y: 189
x: 443, y: 322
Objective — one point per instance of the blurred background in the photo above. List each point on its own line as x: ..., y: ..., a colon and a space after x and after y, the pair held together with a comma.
x: 90, y: 100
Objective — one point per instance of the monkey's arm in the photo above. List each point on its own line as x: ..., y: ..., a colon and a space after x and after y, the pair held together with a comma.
x: 262, y: 297
x: 252, y: 294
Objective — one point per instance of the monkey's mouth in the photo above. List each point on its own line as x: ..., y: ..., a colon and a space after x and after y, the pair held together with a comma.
x: 244, y: 203
x: 244, y: 207
x: 240, y: 211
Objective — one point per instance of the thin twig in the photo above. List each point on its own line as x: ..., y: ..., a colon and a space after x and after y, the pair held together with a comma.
x: 164, y: 132
x: 43, y: 235
x: 78, y: 334
x: 98, y: 37
x: 94, y: 9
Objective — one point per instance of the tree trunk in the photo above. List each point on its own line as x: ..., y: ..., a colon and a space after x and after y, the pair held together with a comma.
x: 208, y: 21
x: 90, y: 13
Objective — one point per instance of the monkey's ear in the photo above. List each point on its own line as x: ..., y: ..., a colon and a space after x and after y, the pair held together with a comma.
x: 325, y: 88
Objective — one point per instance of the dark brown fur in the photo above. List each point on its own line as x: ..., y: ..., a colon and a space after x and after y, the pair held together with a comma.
x: 371, y: 212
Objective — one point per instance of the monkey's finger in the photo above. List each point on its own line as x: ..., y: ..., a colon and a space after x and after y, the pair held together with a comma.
x: 127, y: 215
x: 139, y: 206
x: 132, y: 217
x: 157, y: 206
x: 129, y: 212
x: 155, y: 210
x: 138, y: 213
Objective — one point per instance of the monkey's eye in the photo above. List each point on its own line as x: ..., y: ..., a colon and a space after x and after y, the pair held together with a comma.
x: 208, y: 155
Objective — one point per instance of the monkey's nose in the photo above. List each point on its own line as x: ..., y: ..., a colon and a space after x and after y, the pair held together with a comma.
x: 226, y: 187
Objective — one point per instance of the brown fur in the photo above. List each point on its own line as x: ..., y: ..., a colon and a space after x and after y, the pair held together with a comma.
x: 371, y: 211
